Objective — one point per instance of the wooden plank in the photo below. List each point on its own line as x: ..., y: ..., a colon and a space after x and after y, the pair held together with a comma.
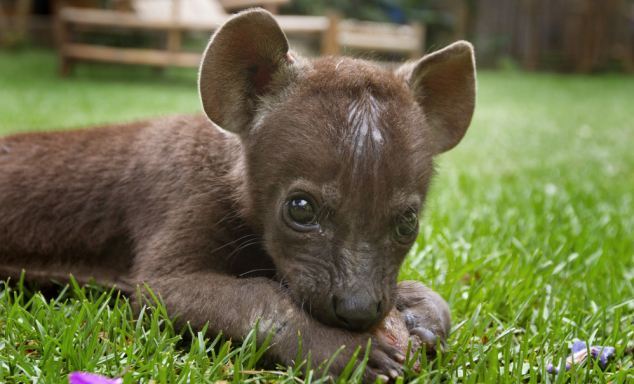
x: 131, y: 55
x: 381, y: 37
x: 174, y: 36
x: 303, y: 24
x: 378, y: 42
x: 201, y: 11
x: 23, y: 13
x: 104, y: 18
x: 270, y: 5
x: 231, y: 4
x: 420, y: 37
x: 330, y: 41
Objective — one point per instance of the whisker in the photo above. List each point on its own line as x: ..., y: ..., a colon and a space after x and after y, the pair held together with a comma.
x: 256, y: 270
x: 242, y: 246
x: 229, y: 243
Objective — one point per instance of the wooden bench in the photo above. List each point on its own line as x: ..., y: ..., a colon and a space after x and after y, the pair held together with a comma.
x: 178, y: 18
x: 345, y: 35
x: 175, y: 17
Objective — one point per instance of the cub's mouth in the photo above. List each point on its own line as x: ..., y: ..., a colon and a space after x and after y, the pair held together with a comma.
x: 354, y: 312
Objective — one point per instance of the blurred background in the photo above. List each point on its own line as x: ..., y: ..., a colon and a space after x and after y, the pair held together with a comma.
x: 555, y: 35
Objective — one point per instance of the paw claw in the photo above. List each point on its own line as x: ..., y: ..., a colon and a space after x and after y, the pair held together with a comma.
x: 426, y: 336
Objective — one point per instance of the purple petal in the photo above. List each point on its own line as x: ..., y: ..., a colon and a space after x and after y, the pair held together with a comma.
x: 579, y: 353
x: 91, y: 378
x: 578, y: 346
x: 604, y: 354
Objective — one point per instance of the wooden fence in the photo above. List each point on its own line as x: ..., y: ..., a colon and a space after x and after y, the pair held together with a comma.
x: 572, y: 35
x: 568, y: 35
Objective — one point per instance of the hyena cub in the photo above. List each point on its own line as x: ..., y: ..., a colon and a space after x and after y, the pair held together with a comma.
x: 296, y: 209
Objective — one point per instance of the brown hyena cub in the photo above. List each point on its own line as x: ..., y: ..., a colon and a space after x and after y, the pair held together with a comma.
x: 296, y: 209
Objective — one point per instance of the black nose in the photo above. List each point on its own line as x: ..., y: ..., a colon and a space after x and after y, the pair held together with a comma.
x: 357, y: 312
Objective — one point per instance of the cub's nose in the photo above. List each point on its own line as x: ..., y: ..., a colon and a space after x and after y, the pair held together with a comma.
x: 357, y: 313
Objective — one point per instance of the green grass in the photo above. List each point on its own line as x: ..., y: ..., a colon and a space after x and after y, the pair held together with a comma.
x: 528, y: 233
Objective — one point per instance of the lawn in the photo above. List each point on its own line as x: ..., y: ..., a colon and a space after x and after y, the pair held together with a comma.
x: 528, y: 233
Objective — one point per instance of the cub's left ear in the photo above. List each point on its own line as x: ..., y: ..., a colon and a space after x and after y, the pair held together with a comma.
x: 444, y: 85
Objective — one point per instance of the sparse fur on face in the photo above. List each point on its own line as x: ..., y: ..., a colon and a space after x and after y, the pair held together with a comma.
x: 364, y: 162
x: 297, y: 208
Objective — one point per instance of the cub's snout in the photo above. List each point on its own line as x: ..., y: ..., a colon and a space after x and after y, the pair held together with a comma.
x: 357, y: 311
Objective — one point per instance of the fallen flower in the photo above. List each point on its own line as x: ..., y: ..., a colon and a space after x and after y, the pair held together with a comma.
x: 579, y: 354
x: 91, y: 378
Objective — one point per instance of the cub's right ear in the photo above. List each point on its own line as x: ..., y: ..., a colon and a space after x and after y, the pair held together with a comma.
x: 246, y: 59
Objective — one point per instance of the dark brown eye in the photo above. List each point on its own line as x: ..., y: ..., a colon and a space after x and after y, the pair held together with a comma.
x: 301, y: 213
x: 407, y: 227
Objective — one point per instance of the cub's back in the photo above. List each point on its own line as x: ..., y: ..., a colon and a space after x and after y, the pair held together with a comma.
x: 70, y: 201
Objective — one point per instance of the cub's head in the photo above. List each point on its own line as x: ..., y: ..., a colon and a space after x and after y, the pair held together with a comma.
x: 339, y: 157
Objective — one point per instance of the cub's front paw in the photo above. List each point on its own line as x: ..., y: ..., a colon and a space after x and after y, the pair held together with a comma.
x: 385, y: 360
x: 425, y: 313
x: 319, y: 342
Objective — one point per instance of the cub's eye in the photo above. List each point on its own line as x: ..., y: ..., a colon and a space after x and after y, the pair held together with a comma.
x: 300, y: 213
x: 406, y: 227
